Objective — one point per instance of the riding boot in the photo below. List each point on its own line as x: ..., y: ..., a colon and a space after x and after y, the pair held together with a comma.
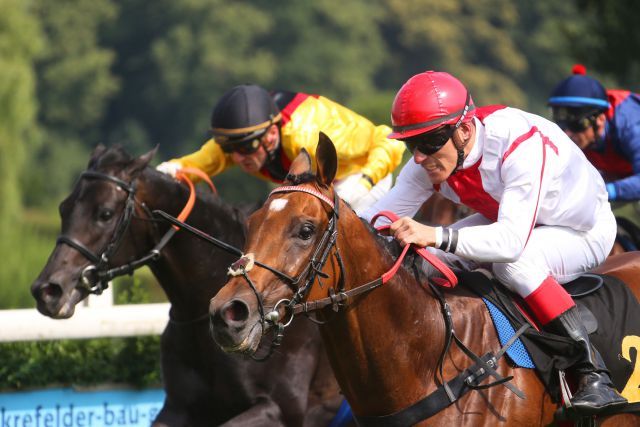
x: 596, y: 392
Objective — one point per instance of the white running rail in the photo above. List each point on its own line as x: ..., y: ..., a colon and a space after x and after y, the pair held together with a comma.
x: 98, y: 319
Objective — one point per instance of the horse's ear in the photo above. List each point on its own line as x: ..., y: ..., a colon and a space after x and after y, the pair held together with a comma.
x: 301, y: 165
x: 95, y: 155
x: 139, y: 163
x: 326, y: 160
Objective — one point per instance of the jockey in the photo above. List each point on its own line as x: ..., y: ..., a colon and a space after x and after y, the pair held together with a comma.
x: 534, y: 226
x: 605, y: 124
x: 263, y: 133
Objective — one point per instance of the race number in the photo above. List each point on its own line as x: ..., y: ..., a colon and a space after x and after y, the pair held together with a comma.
x: 631, y: 391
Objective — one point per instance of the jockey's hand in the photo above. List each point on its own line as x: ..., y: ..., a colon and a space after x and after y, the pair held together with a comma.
x: 169, y: 168
x: 407, y: 231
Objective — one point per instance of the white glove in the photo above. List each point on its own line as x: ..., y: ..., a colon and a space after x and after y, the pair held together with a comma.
x: 351, y: 189
x: 169, y: 168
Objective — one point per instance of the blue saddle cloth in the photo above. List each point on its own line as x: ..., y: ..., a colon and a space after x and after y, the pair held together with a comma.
x: 517, y: 352
x: 344, y: 416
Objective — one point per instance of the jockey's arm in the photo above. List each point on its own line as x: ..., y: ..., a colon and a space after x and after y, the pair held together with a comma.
x: 628, y: 189
x: 411, y: 190
x: 209, y: 158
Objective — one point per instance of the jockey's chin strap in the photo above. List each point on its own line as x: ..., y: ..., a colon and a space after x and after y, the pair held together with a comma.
x: 96, y: 276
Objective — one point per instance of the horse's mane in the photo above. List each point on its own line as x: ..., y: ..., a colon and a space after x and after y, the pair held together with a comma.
x: 116, y: 157
x: 390, y: 246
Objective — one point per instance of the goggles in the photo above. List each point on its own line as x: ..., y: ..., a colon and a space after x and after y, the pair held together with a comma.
x: 431, y: 142
x: 247, y: 147
x: 574, y: 120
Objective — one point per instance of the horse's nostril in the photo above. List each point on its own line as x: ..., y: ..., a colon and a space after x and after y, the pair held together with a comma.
x: 51, y: 290
x: 235, y: 311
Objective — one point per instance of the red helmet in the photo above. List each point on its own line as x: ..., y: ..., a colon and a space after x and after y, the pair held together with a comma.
x: 427, y: 101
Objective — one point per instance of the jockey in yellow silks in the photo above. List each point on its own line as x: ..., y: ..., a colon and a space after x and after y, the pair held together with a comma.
x: 262, y: 133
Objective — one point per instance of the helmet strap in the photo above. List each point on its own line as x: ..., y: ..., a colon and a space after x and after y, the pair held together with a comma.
x: 460, y: 150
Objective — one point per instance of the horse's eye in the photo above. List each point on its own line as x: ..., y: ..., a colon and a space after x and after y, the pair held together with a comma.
x: 306, y: 231
x: 105, y: 215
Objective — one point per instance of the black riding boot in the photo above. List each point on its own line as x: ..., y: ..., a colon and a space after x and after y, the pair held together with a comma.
x: 595, y: 391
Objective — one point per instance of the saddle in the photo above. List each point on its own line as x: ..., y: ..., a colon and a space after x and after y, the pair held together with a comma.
x: 611, y: 314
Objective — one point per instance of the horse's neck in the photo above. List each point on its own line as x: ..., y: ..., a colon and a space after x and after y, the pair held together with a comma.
x: 189, y: 270
x: 394, y: 328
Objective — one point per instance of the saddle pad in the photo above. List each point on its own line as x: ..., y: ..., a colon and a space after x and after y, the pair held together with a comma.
x: 344, y: 416
x: 517, y: 352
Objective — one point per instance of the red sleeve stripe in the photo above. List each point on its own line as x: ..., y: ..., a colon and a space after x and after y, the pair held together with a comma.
x: 546, y: 142
x: 522, y: 138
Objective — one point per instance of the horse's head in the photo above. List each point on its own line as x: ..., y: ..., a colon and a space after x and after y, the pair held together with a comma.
x: 95, y: 217
x: 291, y: 247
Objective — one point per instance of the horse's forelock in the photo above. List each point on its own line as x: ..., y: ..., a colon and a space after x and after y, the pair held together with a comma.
x: 114, y: 157
x: 302, y: 178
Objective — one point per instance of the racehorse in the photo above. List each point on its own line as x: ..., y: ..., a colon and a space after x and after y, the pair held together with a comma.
x: 307, y: 250
x: 107, y: 216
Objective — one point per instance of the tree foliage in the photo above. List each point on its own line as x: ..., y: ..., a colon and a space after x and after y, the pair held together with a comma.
x: 75, y: 73
x: 610, y: 41
x: 20, y: 42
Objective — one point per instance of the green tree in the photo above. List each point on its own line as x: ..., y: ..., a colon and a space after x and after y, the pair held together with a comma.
x: 331, y: 47
x: 20, y: 41
x: 610, y: 42
x: 75, y: 84
x: 175, y: 64
x: 506, y: 52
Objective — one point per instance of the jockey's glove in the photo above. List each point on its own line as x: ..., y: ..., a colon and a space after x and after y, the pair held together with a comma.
x: 170, y: 168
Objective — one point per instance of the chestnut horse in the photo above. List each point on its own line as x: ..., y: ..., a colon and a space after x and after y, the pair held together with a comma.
x: 109, y: 211
x: 384, y: 345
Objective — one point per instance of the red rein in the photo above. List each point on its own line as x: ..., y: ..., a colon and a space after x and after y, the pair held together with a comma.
x: 450, y: 280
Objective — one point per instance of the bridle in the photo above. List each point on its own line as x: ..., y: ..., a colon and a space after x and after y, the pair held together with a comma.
x: 96, y: 276
x: 313, y: 271
x: 447, y: 392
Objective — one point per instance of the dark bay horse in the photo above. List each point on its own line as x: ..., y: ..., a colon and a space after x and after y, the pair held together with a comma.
x: 384, y: 345
x: 204, y: 386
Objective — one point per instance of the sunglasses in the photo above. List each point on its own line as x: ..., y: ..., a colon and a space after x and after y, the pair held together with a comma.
x: 431, y: 142
x: 577, y: 125
x: 244, y: 147
x: 575, y: 121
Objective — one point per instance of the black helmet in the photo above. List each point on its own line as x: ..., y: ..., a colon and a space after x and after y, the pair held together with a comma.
x: 243, y: 113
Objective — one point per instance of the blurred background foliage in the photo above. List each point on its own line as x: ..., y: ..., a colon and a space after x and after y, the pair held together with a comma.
x: 75, y: 73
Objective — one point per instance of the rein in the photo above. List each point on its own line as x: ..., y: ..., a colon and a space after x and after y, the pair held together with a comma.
x: 96, y: 276
x: 448, y: 392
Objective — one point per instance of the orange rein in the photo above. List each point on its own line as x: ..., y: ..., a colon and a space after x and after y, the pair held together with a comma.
x: 182, y: 175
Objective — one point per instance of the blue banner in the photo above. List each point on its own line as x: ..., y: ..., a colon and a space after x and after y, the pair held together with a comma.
x: 70, y: 408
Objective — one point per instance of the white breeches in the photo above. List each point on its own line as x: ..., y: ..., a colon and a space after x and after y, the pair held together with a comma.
x: 560, y: 252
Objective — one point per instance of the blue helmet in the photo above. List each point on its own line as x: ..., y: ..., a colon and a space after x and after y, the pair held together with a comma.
x: 579, y: 91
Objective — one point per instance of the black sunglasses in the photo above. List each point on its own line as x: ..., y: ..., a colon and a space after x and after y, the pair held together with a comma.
x: 577, y: 120
x: 245, y: 147
x: 431, y: 142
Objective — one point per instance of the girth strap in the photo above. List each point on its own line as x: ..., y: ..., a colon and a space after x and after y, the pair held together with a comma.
x: 434, y: 402
x: 449, y: 392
